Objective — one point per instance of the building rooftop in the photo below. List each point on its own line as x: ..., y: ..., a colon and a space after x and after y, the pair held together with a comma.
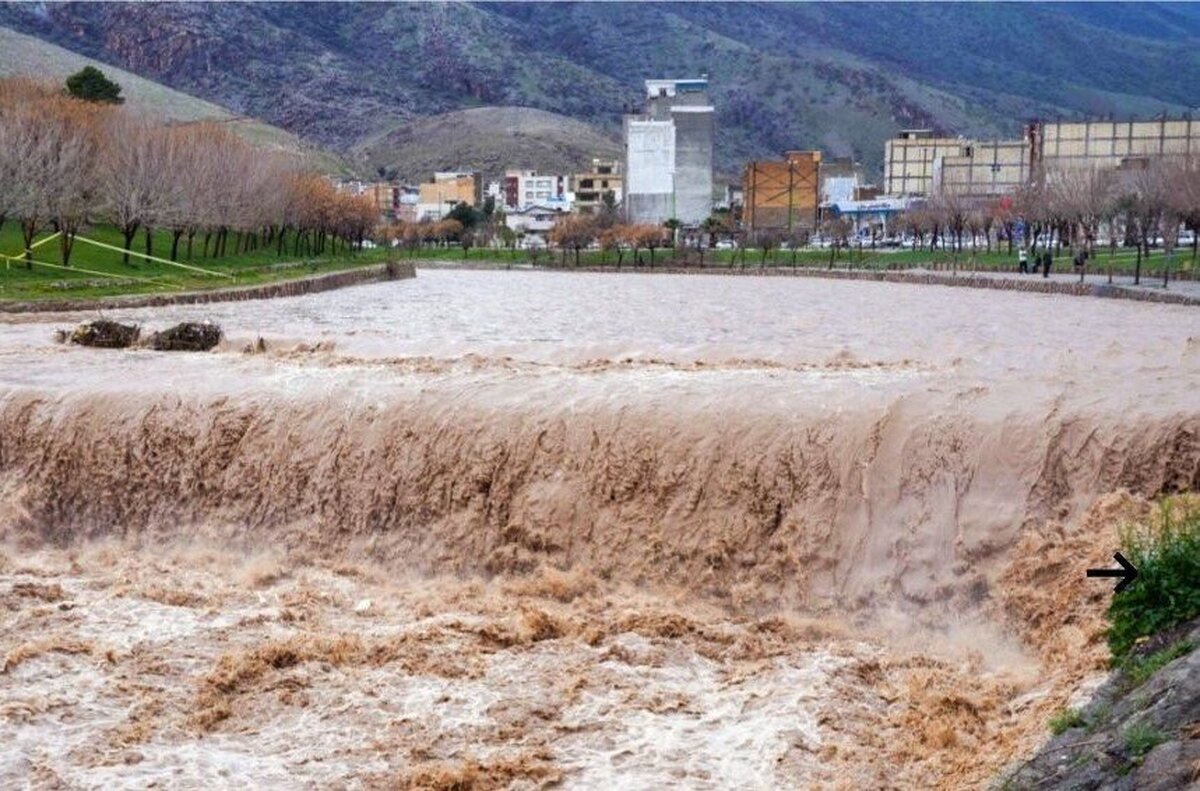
x: 668, y: 87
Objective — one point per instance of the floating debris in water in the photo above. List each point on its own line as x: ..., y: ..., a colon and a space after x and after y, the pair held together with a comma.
x: 190, y: 336
x: 103, y: 334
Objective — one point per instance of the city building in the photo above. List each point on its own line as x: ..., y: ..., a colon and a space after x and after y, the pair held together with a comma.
x: 406, y: 209
x: 389, y: 197
x: 867, y: 213
x: 983, y: 169
x: 448, y: 189
x: 523, y: 188
x: 918, y: 164
x: 669, y: 154
x: 840, y: 177
x: 534, y: 220
x: 909, y: 160
x: 782, y: 195
x: 1108, y: 144
x: 729, y: 198
x: 590, y: 187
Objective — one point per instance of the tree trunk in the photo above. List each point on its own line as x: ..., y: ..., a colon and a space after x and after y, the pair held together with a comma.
x: 66, y: 241
x: 28, y: 231
x: 149, y: 241
x: 128, y: 232
x: 175, y: 234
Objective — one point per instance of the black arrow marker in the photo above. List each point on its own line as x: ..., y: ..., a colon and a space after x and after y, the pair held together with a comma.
x: 1127, y: 573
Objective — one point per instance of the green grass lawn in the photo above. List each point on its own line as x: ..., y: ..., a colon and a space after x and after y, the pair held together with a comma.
x: 97, y: 272
x: 1122, y: 262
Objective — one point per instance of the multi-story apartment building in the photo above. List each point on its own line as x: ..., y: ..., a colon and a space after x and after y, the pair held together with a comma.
x: 669, y: 154
x: 590, y: 187
x: 448, y: 189
x: 523, y: 188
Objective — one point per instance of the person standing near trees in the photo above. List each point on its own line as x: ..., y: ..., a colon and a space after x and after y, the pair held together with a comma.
x: 1047, y: 262
x: 1023, y: 261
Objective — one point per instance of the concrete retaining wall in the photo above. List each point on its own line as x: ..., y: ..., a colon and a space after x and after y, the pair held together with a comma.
x: 1027, y: 283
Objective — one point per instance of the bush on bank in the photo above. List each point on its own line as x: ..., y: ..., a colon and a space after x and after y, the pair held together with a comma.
x: 1166, y: 592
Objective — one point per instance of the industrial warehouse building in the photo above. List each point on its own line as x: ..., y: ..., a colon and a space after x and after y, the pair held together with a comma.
x: 669, y: 154
x: 911, y: 158
x: 996, y: 167
x: 1110, y: 144
x: 918, y: 163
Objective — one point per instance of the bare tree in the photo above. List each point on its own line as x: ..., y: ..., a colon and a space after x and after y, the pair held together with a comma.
x: 1184, y: 197
x: 1146, y: 197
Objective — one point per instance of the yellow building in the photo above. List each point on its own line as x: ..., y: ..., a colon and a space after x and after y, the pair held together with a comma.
x: 782, y: 195
x: 436, y: 198
x: 589, y: 187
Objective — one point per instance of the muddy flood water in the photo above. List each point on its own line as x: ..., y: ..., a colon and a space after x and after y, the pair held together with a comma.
x: 528, y: 529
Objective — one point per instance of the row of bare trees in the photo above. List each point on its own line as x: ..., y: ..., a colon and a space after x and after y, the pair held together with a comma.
x: 580, y: 231
x: 572, y: 233
x: 66, y: 163
x: 1075, y: 207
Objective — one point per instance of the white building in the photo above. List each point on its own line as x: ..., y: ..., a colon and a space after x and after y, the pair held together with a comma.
x: 534, y: 220
x: 669, y: 154
x: 524, y: 188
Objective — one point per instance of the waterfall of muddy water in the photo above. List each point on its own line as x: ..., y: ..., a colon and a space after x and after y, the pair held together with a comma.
x: 511, y: 529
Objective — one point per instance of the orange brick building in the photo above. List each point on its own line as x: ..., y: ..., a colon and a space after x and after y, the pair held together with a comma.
x: 782, y: 195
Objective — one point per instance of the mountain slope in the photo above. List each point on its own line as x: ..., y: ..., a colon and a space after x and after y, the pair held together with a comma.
x: 838, y: 76
x: 490, y: 139
x: 25, y: 55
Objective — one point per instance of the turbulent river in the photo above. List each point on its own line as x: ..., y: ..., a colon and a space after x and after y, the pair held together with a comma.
x: 513, y: 529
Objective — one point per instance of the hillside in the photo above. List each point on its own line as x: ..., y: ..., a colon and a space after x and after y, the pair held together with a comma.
x: 838, y: 76
x: 489, y: 139
x: 25, y: 55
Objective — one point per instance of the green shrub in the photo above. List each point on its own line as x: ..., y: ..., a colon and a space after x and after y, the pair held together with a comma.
x: 1166, y: 592
x: 1139, y: 669
x: 1065, y: 720
x: 1141, y: 739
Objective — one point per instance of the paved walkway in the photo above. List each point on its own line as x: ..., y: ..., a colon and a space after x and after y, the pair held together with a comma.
x: 1151, y: 283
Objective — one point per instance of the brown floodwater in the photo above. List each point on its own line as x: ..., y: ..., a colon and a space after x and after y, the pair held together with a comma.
x: 525, y: 528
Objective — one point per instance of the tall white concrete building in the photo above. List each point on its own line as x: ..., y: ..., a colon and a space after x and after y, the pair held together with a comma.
x: 669, y: 154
